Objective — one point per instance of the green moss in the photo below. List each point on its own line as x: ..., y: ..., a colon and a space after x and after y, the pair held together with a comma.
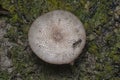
x: 93, y: 48
x: 4, y: 75
x: 115, y: 78
x: 103, y: 40
x: 12, y: 34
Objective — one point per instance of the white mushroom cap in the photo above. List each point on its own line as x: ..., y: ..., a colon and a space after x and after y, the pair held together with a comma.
x: 57, y: 37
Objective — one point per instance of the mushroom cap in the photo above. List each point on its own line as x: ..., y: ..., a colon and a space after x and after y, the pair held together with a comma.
x: 57, y: 37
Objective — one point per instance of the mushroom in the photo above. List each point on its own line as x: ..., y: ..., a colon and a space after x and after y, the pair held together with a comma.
x: 57, y: 37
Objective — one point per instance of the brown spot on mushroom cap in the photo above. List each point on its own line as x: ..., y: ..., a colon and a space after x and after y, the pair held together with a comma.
x: 57, y: 37
x: 56, y: 34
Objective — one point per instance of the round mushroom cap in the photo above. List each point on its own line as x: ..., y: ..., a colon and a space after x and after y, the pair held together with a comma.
x: 57, y: 37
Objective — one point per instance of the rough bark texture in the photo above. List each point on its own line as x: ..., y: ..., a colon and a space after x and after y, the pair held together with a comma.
x: 100, y: 59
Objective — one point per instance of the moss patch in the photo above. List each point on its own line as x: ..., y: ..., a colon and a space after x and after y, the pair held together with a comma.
x: 100, y: 58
